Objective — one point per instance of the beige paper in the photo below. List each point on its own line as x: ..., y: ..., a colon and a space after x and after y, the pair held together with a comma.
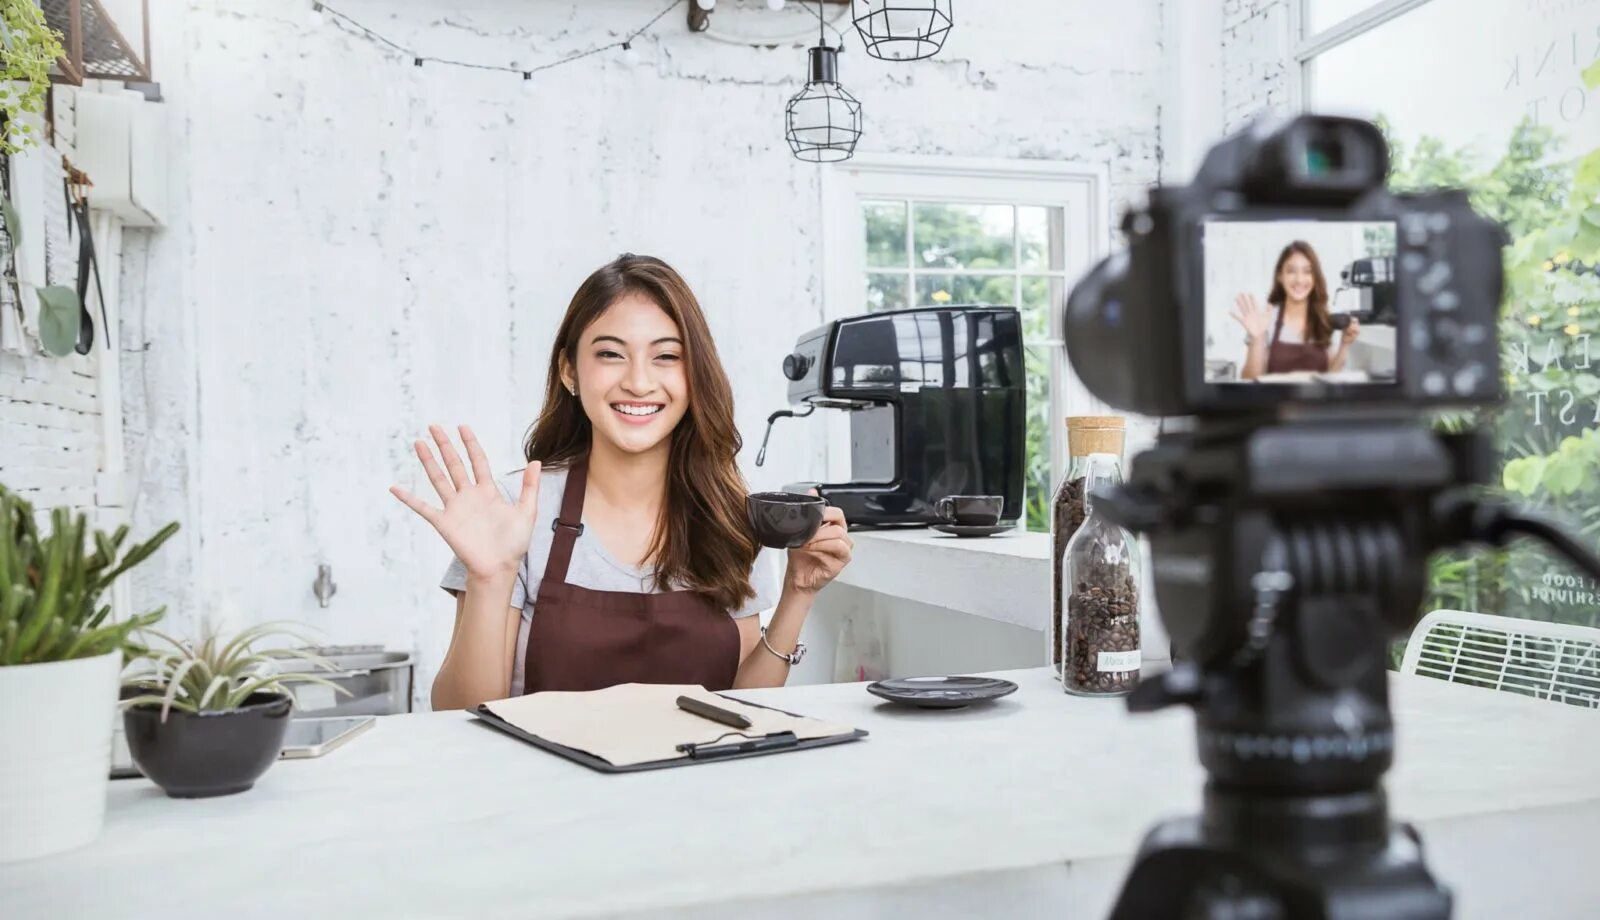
x: 637, y: 723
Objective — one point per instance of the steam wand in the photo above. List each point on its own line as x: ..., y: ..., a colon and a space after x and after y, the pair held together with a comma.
x: 761, y: 455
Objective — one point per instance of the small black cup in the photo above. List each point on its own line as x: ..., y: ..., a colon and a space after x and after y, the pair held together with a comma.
x: 784, y: 520
x: 971, y: 510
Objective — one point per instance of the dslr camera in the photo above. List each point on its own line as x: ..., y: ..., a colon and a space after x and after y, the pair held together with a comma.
x: 1142, y: 326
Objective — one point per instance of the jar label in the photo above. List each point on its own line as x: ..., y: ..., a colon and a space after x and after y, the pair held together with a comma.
x: 1118, y: 661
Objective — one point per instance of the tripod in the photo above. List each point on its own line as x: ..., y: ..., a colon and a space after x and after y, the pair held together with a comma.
x: 1295, y: 823
x: 1291, y: 700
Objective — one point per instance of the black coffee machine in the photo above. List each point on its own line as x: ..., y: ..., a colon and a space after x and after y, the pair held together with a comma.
x: 937, y: 407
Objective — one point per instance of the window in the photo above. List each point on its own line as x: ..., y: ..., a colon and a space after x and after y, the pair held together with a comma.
x: 1503, y: 98
x: 918, y: 231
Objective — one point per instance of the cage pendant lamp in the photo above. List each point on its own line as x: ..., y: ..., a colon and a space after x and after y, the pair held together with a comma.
x: 902, y: 30
x: 823, y: 121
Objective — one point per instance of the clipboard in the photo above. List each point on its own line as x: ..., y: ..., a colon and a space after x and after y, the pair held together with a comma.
x: 733, y: 745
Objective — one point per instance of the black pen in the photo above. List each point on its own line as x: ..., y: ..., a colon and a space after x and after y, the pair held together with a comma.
x: 714, y: 713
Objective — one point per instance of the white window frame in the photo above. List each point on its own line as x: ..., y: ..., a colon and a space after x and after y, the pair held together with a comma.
x: 1080, y: 190
x: 1308, y: 47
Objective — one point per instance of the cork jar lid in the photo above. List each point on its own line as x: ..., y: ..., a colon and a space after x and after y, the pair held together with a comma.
x: 1094, y: 434
x: 1095, y: 421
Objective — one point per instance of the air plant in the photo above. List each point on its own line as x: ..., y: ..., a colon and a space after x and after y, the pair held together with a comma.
x: 213, y: 674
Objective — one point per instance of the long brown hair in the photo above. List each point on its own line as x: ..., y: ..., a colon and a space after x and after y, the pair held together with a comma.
x: 702, y: 540
x: 1319, y: 326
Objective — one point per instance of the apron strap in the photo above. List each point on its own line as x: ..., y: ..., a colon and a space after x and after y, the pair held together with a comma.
x: 568, y: 525
x: 1278, y: 329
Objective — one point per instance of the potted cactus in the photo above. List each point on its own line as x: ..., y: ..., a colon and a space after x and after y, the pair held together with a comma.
x: 60, y: 656
x: 207, y: 717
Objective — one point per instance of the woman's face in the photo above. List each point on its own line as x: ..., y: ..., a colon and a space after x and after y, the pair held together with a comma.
x: 1296, y: 276
x: 630, y: 374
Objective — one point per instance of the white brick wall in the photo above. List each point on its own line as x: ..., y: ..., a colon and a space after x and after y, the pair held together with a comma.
x: 357, y: 247
x: 49, y: 429
x: 1257, y: 59
x: 50, y: 425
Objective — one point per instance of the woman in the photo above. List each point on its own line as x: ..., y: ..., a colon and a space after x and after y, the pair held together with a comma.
x: 1297, y: 334
x: 624, y: 554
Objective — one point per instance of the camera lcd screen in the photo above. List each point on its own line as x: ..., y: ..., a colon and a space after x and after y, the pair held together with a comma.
x: 1299, y: 301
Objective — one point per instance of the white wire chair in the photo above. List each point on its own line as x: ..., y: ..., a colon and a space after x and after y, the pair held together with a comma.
x: 1548, y: 661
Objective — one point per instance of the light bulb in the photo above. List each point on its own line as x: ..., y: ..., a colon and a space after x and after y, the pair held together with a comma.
x: 775, y: 5
x: 314, y: 17
x: 707, y: 5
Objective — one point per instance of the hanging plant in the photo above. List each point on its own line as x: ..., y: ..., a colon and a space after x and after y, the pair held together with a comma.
x: 27, y: 49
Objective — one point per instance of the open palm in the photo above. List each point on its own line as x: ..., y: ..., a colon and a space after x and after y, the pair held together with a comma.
x: 1251, y: 315
x: 487, y: 533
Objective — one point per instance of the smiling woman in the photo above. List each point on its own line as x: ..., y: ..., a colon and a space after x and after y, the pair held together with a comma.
x: 1295, y: 334
x: 621, y: 552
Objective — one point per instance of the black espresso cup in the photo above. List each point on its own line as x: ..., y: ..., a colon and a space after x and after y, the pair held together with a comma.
x: 970, y: 510
x: 784, y: 520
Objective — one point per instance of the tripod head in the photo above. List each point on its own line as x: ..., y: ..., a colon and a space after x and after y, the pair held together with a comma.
x: 1286, y: 555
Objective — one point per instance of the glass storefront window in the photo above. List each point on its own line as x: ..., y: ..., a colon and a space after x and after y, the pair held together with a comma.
x: 1504, y: 98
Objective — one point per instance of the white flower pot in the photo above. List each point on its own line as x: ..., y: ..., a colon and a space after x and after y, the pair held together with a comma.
x: 55, y: 753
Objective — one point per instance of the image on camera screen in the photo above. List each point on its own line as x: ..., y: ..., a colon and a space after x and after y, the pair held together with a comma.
x: 1294, y: 301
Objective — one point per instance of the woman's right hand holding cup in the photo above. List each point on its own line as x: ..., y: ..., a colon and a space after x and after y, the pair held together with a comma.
x: 488, y: 534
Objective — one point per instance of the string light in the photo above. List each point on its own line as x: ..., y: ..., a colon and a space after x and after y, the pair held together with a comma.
x: 319, y: 10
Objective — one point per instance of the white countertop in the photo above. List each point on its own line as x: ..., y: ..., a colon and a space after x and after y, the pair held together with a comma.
x: 999, y: 578
x: 1035, y: 801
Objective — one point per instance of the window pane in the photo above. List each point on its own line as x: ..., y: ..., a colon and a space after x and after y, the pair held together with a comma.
x: 1037, y: 301
x: 1321, y: 14
x: 1036, y: 476
x: 1502, y: 108
x: 886, y: 233
x: 886, y: 291
x: 938, y: 290
x: 960, y: 236
x: 1037, y: 250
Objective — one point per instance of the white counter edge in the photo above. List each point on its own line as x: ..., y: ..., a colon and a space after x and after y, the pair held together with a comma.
x: 1001, y: 578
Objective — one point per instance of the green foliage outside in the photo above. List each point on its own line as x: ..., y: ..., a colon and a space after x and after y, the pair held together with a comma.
x: 1548, y: 429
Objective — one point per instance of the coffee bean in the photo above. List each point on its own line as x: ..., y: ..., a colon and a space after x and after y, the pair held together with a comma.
x: 1102, y: 616
x: 1067, y: 514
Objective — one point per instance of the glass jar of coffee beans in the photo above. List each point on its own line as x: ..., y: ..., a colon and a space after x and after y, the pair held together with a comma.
x: 1086, y: 434
x: 1100, y: 642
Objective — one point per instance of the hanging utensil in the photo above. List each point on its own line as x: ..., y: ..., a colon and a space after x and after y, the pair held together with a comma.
x: 76, y: 187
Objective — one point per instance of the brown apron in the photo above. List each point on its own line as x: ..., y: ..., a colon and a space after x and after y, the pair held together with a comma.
x: 1283, y: 357
x: 582, y: 639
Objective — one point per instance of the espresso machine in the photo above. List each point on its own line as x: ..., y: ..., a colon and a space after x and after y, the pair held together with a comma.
x: 936, y: 403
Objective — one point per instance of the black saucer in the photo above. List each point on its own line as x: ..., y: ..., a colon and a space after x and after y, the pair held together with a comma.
x: 941, y: 692
x: 975, y: 530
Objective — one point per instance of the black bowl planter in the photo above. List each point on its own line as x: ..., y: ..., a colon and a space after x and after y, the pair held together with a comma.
x: 196, y: 755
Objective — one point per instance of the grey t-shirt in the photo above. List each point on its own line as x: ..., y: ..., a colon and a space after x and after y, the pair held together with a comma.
x: 592, y: 566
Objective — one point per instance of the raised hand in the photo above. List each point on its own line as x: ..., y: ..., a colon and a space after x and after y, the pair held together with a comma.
x: 1251, y: 315
x: 488, y: 534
